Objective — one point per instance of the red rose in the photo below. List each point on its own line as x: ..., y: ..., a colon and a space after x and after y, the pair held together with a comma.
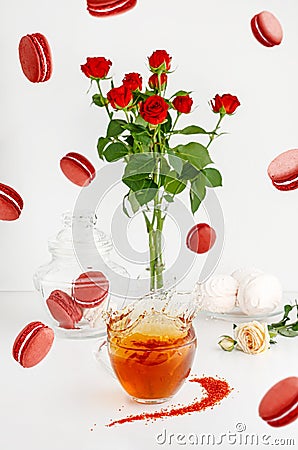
x: 120, y: 97
x: 225, y: 104
x: 183, y: 103
x: 154, y: 110
x: 153, y: 81
x: 160, y: 60
x: 96, y: 67
x: 133, y: 81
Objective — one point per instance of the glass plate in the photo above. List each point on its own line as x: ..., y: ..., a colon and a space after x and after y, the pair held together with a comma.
x: 236, y: 315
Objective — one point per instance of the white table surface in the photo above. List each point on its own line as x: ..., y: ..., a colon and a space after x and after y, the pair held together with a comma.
x: 55, y: 405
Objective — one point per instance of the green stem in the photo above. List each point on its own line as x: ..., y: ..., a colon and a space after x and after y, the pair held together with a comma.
x: 106, y: 106
x: 213, y: 133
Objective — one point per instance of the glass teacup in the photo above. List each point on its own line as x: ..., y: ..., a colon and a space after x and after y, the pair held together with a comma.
x: 151, y: 346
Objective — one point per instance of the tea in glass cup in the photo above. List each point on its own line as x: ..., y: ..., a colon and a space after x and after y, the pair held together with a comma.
x: 153, y: 354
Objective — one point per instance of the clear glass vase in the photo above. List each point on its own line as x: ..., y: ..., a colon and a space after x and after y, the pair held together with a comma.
x: 80, y: 261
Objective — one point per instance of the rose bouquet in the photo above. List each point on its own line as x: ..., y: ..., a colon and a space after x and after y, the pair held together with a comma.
x: 142, y: 121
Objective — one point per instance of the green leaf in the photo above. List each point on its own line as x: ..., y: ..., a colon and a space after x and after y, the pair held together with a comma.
x: 288, y: 332
x: 140, y: 164
x: 189, y: 172
x: 194, y: 153
x: 140, y: 121
x: 115, y: 127
x: 135, y: 128
x: 178, y: 93
x: 197, y: 193
x: 192, y: 129
x: 166, y: 126
x: 168, y: 198
x: 102, y: 142
x: 176, y: 162
x: 213, y: 177
x: 143, y: 138
x: 133, y: 202
x: 99, y: 100
x: 115, y: 151
x: 173, y: 185
x: 144, y: 188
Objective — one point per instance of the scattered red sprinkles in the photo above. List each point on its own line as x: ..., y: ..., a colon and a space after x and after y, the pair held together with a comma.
x: 215, y: 391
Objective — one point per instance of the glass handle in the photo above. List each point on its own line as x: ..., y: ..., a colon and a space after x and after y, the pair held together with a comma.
x: 102, y: 357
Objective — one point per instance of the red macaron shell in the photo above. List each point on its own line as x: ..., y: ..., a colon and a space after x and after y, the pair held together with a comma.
x: 99, y: 8
x: 11, y: 203
x: 77, y: 169
x: 64, y: 309
x: 35, y: 57
x: 279, y: 406
x: 32, y: 344
x: 267, y: 29
x: 283, y: 170
x: 90, y: 289
x: 201, y: 238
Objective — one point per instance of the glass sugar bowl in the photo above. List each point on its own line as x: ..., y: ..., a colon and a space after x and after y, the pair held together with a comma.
x: 81, y: 281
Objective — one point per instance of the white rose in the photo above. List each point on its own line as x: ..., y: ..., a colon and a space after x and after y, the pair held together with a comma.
x: 252, y: 337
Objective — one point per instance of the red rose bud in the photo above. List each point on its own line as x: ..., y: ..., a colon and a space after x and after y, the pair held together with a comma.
x: 200, y: 238
x: 225, y: 104
x: 133, y: 81
x: 153, y: 81
x: 160, y: 61
x: 154, y: 110
x: 183, y: 103
x: 120, y: 97
x: 96, y: 67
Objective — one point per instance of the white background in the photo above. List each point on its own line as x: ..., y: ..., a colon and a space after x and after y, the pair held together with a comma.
x: 214, y: 52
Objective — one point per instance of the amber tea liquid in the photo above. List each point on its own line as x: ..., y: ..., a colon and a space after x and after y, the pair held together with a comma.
x: 153, y: 360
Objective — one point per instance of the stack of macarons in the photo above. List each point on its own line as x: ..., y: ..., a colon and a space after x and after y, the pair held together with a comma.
x: 88, y: 291
x: 251, y: 291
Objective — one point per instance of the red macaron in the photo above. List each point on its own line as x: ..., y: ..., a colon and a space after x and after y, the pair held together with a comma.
x: 11, y: 203
x: 32, y: 344
x: 200, y: 238
x: 279, y: 406
x: 90, y: 289
x: 267, y: 29
x: 283, y: 171
x: 64, y: 309
x: 35, y: 57
x: 100, y: 8
x: 77, y: 169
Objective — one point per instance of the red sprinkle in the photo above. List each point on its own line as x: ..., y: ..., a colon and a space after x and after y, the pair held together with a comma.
x: 215, y: 391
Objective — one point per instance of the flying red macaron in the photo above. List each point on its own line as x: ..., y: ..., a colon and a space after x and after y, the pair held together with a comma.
x: 33, y: 344
x: 279, y: 407
x: 77, y: 169
x: 90, y: 289
x: 200, y: 238
x: 64, y: 309
x: 35, y: 57
x: 267, y: 29
x: 11, y: 203
x: 101, y: 8
x: 283, y: 171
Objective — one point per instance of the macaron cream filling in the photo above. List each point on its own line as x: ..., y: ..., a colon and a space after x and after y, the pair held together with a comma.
x: 27, y: 338
x: 285, y: 414
x: 107, y: 8
x: 44, y: 58
x: 12, y: 200
x: 82, y: 164
x: 261, y: 34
